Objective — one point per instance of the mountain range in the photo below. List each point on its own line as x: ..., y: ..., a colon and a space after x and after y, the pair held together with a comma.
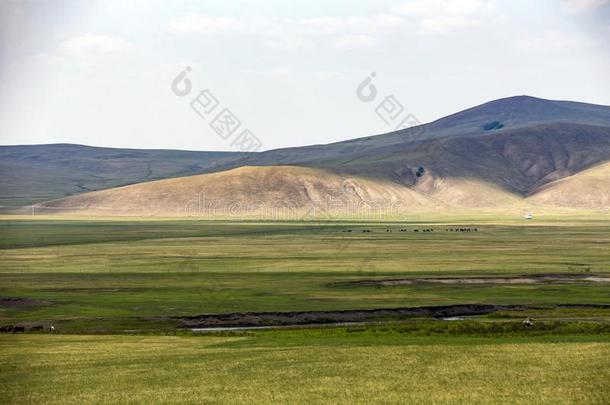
x: 512, y: 154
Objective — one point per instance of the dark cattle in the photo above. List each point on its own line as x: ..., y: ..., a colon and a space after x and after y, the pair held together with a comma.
x: 19, y: 329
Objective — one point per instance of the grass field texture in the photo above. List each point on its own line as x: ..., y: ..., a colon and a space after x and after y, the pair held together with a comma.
x: 170, y: 369
x: 110, y: 285
x: 127, y: 269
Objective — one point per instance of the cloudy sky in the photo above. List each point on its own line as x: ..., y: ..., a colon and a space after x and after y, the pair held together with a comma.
x: 101, y: 72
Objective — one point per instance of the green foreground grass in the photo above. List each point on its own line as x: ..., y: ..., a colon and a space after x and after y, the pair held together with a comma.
x: 300, y: 369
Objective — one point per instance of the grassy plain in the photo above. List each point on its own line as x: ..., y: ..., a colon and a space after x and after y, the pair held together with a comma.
x: 300, y: 367
x: 122, y: 278
x: 123, y: 269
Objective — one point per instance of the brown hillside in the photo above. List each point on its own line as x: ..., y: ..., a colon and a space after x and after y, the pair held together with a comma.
x: 589, y: 189
x: 270, y: 192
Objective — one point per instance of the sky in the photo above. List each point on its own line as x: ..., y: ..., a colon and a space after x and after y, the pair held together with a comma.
x: 203, y: 75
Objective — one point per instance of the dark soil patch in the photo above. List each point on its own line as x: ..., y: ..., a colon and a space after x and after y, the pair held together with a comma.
x: 525, y: 279
x: 329, y: 317
x: 21, y: 303
x: 93, y: 289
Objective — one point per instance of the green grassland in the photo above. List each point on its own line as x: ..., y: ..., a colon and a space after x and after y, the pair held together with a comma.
x: 303, y: 367
x: 110, y: 285
x: 123, y: 269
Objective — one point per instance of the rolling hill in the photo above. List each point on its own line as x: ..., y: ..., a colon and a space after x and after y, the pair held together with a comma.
x: 587, y: 189
x: 505, y: 154
x: 533, y: 142
x: 279, y: 192
x: 34, y: 173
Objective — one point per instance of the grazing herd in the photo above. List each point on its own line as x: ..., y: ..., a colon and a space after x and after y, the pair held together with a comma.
x: 422, y: 230
x: 23, y: 329
x: 462, y: 230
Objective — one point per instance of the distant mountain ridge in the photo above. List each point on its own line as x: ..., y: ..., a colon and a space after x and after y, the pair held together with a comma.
x: 35, y: 173
x: 533, y: 141
x: 511, y: 113
x: 501, y: 152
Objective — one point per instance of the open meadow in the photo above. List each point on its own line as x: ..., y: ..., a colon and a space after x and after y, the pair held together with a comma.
x: 303, y: 368
x: 124, y: 294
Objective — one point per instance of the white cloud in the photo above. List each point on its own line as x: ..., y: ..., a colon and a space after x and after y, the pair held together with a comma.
x: 348, y: 32
x: 45, y: 58
x: 466, y: 6
x: 205, y: 24
x: 350, y: 25
x: 443, y: 16
x: 292, y: 72
x: 429, y: 8
x: 329, y: 74
x: 288, y: 43
x: 553, y: 41
x: 273, y: 73
x: 584, y: 5
x: 442, y: 25
x: 90, y: 43
x: 281, y: 72
x: 296, y: 30
x: 354, y: 41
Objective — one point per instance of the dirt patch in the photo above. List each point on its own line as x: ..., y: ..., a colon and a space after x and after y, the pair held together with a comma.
x: 92, y: 289
x: 596, y: 306
x: 525, y: 279
x: 21, y: 303
x: 330, y: 317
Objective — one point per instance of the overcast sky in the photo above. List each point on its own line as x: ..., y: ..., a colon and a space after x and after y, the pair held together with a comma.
x: 100, y: 72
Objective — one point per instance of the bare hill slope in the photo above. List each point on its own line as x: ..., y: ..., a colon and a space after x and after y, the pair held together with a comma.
x: 271, y: 192
x: 589, y: 189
